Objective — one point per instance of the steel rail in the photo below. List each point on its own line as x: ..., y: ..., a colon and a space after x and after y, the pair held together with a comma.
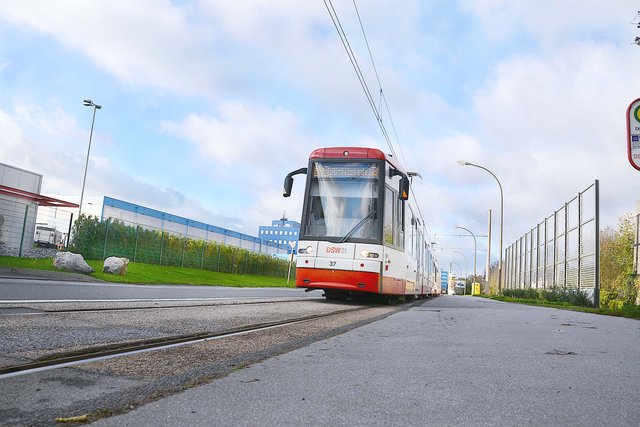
x: 109, y: 351
x: 219, y: 303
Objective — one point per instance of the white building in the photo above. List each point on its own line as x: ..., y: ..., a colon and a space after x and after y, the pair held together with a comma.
x: 19, y: 201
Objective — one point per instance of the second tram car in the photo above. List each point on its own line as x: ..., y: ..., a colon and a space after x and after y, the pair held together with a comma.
x: 360, y: 231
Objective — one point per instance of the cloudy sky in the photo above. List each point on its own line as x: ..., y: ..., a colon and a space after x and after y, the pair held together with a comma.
x: 208, y: 104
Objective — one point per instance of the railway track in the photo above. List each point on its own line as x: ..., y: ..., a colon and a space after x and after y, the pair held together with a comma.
x: 11, y: 307
x: 109, y: 351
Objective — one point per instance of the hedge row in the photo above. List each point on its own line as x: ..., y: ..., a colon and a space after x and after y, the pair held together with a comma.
x: 571, y: 296
x: 97, y: 240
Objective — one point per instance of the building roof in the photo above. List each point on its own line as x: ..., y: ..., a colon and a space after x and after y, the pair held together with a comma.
x: 36, y: 198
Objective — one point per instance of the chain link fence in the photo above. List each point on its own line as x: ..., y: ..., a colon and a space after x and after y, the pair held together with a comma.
x: 561, y: 252
x: 96, y: 239
x: 28, y: 230
x: 32, y: 231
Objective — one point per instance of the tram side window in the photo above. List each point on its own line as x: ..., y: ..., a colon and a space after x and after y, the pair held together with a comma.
x: 399, y: 223
x: 388, y: 216
x: 393, y: 228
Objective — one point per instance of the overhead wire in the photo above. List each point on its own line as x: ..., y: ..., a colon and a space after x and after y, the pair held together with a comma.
x: 382, y: 95
x: 383, y: 99
x: 354, y: 62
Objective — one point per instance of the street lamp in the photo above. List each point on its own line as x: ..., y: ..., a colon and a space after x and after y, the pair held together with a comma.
x: 460, y: 271
x: 88, y: 103
x: 465, y: 163
x: 466, y: 264
x: 475, y: 254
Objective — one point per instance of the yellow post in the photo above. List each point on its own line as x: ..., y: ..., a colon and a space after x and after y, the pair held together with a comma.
x: 475, y: 288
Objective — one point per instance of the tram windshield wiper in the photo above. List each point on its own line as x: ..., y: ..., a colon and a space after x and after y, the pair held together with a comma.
x: 358, y: 226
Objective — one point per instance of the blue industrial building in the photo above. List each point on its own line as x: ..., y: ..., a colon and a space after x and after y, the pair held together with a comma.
x: 281, y: 231
x: 133, y: 214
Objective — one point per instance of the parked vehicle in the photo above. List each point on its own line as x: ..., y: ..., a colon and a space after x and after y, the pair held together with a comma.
x: 48, y: 237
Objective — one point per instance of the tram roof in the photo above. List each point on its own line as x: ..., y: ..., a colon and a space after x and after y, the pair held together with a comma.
x: 355, y: 153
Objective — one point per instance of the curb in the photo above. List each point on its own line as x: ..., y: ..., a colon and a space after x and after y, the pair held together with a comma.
x: 29, y: 273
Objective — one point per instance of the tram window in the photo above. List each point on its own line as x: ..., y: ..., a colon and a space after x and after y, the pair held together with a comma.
x: 343, y: 201
x: 399, y: 223
x: 388, y: 216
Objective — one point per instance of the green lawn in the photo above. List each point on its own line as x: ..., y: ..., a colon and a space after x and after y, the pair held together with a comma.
x: 632, y: 312
x: 154, y: 274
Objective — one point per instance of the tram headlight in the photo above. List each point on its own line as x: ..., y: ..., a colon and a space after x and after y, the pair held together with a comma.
x: 308, y: 250
x: 365, y: 253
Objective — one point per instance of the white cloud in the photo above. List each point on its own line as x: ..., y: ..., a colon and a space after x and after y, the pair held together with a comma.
x: 551, y: 22
x: 142, y: 42
x: 249, y: 150
x: 554, y: 124
x: 243, y: 134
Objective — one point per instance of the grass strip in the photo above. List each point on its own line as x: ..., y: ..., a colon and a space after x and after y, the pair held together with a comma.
x: 148, y: 274
x: 631, y: 312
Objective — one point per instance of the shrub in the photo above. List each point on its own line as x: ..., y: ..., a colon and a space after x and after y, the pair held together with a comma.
x: 96, y: 240
x: 569, y: 296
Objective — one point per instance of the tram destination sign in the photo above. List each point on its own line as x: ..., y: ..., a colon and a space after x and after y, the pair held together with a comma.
x: 633, y: 133
x: 345, y: 170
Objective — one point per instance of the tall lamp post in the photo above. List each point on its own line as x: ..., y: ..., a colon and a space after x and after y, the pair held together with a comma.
x: 475, y: 254
x: 88, y: 103
x: 465, y: 163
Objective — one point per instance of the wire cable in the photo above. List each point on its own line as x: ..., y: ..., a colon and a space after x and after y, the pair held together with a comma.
x: 354, y: 62
x: 376, y: 110
x: 382, y: 95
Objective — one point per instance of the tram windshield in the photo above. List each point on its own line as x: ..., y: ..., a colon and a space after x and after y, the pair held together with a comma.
x: 342, y: 202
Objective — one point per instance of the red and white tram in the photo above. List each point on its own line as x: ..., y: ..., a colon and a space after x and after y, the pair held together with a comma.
x: 360, y: 232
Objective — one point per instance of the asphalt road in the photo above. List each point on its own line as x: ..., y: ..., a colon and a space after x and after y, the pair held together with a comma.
x: 453, y: 361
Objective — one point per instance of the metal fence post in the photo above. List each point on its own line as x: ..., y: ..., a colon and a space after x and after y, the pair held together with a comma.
x: 531, y: 260
x: 135, y: 246
x: 24, y: 226
x: 507, y: 267
x: 537, y: 229
x: 579, y: 278
x: 69, y: 232
x: 184, y: 244
x: 546, y: 256
x: 555, y: 249
x: 566, y: 242
x: 106, y: 236
x: 161, y: 245
x: 204, y: 245
x: 596, y: 289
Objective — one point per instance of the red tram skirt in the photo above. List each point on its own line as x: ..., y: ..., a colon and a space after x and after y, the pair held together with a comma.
x: 359, y: 281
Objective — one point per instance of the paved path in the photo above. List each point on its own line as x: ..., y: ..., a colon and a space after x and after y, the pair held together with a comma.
x: 452, y: 361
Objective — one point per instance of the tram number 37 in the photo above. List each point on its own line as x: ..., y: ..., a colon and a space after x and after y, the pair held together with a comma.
x: 332, y: 263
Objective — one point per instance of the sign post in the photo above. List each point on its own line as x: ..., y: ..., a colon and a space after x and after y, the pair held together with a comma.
x: 293, y: 250
x: 633, y: 133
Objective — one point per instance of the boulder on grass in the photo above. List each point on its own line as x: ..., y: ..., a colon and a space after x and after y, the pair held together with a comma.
x: 115, y: 265
x: 68, y: 261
